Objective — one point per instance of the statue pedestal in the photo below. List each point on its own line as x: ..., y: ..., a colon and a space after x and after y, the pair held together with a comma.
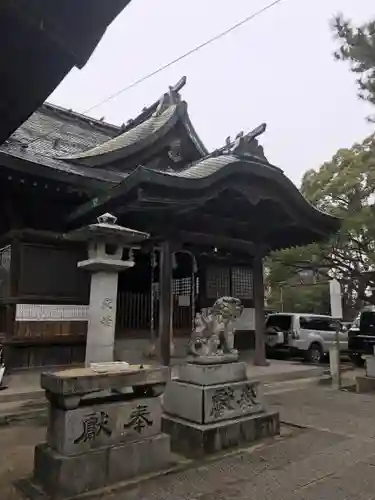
x: 97, y: 437
x: 212, y: 407
x: 366, y: 384
x: 213, y: 359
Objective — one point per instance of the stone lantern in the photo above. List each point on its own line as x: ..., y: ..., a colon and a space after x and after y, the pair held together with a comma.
x: 106, y: 244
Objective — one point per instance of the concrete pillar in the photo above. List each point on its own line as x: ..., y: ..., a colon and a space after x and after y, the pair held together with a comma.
x: 258, y: 287
x: 102, y: 317
x: 334, y: 366
x: 106, y: 243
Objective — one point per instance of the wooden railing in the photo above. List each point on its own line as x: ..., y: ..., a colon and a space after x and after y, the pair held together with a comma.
x: 134, y: 313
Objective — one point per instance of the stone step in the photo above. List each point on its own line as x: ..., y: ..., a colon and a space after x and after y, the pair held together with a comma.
x: 22, y: 411
x: 9, y: 396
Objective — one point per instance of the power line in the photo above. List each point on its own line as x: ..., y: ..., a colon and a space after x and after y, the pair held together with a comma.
x: 187, y: 54
x: 174, y: 61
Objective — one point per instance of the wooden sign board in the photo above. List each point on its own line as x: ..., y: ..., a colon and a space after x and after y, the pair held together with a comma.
x: 51, y: 312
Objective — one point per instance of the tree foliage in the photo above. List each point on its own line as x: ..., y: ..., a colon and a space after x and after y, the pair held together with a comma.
x: 344, y: 187
x: 358, y: 48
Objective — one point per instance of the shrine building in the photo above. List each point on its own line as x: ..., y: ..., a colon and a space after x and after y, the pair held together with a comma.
x: 212, y: 215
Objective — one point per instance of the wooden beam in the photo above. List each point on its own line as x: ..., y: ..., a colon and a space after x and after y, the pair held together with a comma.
x: 165, y: 302
x: 218, y: 241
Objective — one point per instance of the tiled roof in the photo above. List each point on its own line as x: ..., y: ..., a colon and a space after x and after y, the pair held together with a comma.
x: 52, y: 131
x: 205, y: 167
x: 133, y: 138
x: 213, y: 164
x: 55, y: 140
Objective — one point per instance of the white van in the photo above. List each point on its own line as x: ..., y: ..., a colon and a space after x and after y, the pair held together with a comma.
x: 309, y: 335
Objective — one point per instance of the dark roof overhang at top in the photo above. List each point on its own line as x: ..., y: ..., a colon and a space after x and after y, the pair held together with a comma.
x: 232, y: 193
x: 40, y: 42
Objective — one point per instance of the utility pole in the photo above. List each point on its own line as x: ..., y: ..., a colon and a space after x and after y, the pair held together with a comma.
x: 281, y: 297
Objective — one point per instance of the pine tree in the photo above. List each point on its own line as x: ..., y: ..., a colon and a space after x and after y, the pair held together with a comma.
x: 358, y: 47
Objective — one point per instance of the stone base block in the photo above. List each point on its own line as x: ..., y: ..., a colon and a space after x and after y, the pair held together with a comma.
x: 62, y: 477
x: 370, y: 366
x: 206, y: 374
x: 194, y: 440
x: 73, y: 432
x: 213, y: 359
x: 137, y: 458
x: 365, y: 384
x: 208, y: 404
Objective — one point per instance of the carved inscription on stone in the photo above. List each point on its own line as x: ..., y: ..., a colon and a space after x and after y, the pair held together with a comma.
x: 106, y: 320
x: 85, y: 428
x: 107, y: 303
x: 222, y: 401
x: 248, y: 397
x: 139, y: 419
x: 107, y: 307
x: 93, y: 425
x: 232, y: 401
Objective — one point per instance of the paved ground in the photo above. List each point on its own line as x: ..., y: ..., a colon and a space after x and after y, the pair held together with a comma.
x: 327, y: 452
x: 334, y: 457
x: 24, y: 386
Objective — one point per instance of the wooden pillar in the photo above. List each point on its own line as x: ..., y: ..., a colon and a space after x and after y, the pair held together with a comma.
x: 165, y: 302
x: 260, y: 347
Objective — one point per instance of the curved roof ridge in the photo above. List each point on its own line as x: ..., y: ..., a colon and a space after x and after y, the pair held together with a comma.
x: 149, y: 110
x: 215, y: 165
x: 132, y: 140
x: 148, y: 128
x: 197, y: 141
x: 244, y: 146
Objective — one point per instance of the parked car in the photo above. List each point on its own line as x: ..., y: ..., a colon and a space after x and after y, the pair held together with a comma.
x: 306, y: 335
x: 346, y: 325
x: 361, y: 335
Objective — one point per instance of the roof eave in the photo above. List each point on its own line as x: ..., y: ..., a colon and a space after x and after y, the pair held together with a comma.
x: 326, y: 222
x: 191, y: 132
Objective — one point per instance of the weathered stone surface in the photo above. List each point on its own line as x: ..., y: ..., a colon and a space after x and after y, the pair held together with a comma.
x: 202, y: 374
x: 334, y: 365
x: 214, y: 359
x: 365, y: 384
x: 138, y: 457
x: 195, y: 440
x: 86, y: 428
x: 63, y: 477
x: 370, y: 366
x: 208, y: 404
x: 80, y: 381
x: 102, y: 317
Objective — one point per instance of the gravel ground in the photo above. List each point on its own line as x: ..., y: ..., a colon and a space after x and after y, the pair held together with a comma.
x: 328, y: 452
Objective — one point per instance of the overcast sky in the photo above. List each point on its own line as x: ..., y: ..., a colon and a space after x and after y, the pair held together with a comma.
x: 276, y: 69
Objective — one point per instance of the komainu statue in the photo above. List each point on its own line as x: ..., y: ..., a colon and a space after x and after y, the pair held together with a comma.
x: 213, y: 334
